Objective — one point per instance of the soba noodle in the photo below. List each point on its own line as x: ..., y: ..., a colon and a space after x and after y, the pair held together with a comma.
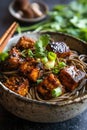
x: 80, y: 62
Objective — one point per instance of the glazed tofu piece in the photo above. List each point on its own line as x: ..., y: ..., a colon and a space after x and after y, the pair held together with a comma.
x: 27, y: 66
x: 13, y: 61
x: 17, y: 84
x: 70, y: 77
x: 15, y: 58
x: 34, y: 74
x: 60, y: 48
x: 45, y: 88
x: 31, y: 69
x: 25, y: 43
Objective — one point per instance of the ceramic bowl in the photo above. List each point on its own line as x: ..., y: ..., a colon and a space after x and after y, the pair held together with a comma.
x: 39, y: 111
x: 17, y: 14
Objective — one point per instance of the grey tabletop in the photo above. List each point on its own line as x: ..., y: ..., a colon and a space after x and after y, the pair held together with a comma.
x: 11, y: 122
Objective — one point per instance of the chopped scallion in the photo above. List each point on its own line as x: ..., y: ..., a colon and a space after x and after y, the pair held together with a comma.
x: 61, y: 64
x: 44, y: 60
x: 56, y: 92
x: 51, y: 56
x: 50, y: 64
x: 56, y: 70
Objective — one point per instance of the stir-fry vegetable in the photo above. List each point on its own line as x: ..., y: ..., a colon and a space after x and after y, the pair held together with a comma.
x: 69, y: 19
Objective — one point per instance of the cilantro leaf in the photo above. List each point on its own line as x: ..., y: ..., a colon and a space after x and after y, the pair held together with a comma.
x: 40, y: 46
x: 70, y: 18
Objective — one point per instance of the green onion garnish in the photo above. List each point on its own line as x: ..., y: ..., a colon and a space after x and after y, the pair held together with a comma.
x: 56, y: 92
x: 56, y: 70
x: 44, y: 60
x: 61, y: 64
x: 50, y: 64
x: 51, y: 56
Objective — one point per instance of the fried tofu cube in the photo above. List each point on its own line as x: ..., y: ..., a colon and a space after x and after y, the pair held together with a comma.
x: 70, y: 77
x: 31, y: 69
x: 14, y: 58
x: 25, y: 43
x: 47, y: 85
x: 17, y: 84
x: 60, y: 48
x: 34, y: 74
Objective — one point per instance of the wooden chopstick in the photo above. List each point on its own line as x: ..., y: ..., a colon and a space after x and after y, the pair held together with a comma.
x: 7, y: 35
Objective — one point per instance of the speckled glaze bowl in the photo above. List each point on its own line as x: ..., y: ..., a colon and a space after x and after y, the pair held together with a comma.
x: 39, y: 111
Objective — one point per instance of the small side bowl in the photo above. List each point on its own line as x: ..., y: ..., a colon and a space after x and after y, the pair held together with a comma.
x: 41, y: 111
x: 16, y: 14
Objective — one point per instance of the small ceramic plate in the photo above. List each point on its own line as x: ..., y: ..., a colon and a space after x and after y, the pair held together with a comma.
x: 17, y: 13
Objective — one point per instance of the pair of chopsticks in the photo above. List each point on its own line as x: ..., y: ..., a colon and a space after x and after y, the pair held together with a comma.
x: 7, y: 35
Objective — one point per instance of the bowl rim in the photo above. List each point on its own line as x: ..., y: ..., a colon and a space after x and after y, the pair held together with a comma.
x: 31, y: 20
x: 43, y: 102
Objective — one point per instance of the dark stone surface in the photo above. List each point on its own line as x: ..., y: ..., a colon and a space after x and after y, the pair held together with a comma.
x: 9, y: 121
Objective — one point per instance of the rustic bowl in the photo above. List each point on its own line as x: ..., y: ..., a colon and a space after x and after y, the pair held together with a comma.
x: 39, y: 111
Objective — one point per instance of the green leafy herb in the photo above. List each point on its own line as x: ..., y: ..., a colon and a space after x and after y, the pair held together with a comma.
x: 19, y: 29
x: 73, y: 22
x: 3, y: 56
x: 24, y: 53
x: 27, y: 52
x: 40, y: 46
